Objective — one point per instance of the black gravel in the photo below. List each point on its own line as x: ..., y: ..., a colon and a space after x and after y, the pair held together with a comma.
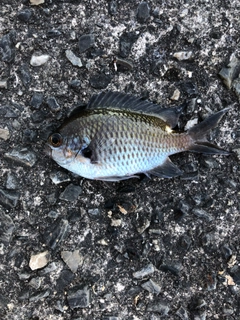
x: 142, y: 248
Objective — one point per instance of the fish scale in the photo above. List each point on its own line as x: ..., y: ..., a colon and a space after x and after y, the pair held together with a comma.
x: 107, y: 143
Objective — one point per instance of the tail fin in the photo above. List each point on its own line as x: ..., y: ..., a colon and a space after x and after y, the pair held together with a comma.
x: 198, y: 134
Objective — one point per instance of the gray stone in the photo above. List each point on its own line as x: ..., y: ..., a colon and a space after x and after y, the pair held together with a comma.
x: 159, y: 306
x: 6, y: 228
x: 71, y: 193
x: 59, y: 177
x: 9, y: 198
x: 53, y: 105
x: 22, y: 156
x: 231, y: 72
x: 151, y: 286
x: 79, y: 297
x: 182, y: 313
x: 73, y: 259
x: 86, y: 41
x: 146, y: 271
x: 76, y: 61
x: 143, y: 12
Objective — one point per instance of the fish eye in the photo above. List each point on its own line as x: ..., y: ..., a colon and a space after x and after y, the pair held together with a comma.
x: 56, y: 140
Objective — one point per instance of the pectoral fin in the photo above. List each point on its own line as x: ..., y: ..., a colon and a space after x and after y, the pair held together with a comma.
x: 166, y: 170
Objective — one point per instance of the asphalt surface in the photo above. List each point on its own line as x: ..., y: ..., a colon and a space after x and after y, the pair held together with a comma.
x: 72, y: 248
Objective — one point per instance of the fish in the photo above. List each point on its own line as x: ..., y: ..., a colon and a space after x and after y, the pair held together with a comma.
x: 118, y: 136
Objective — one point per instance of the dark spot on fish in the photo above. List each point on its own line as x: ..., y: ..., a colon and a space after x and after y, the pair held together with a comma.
x: 124, y: 149
x: 87, y: 153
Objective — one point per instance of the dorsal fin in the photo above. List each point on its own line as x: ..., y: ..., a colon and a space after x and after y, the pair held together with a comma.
x: 118, y: 100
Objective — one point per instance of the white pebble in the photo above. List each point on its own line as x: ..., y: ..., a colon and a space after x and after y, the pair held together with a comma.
x: 176, y: 95
x: 38, y: 261
x: 183, y: 55
x: 4, y: 134
x: 39, y: 60
x: 36, y: 2
x: 73, y: 59
x: 191, y: 123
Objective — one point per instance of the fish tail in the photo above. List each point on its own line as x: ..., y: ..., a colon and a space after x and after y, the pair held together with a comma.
x: 198, y: 135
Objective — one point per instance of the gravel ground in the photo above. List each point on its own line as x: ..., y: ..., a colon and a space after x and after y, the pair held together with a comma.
x: 138, y: 249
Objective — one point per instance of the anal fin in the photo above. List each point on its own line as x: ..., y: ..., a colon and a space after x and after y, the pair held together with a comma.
x: 166, y: 170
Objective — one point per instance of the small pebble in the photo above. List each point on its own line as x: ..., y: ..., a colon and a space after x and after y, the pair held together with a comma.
x: 100, y: 81
x: 53, y: 105
x: 38, y: 261
x: 3, y: 84
x: 36, y: 100
x: 39, y: 295
x: 56, y: 233
x: 7, y: 46
x: 54, y: 33
x: 65, y: 278
x: 236, y: 87
x: 75, y: 84
x: 176, y: 95
x: 4, y: 134
x: 143, y: 12
x: 71, y: 193
x: 79, y: 297
x: 159, y: 306
x: 146, y: 271
x: 183, y: 55
x: 24, y: 75
x: 151, y: 286
x: 37, y: 61
x: 22, y: 156
x: 36, y: 2
x: 6, y: 228
x: 202, y: 214
x: 59, y: 177
x: 73, y: 259
x: 231, y: 72
x: 11, y: 183
x: 73, y: 59
x: 112, y: 7
x: 25, y: 15
x: 9, y: 198
x: 127, y: 40
x: 182, y: 313
x: 86, y: 41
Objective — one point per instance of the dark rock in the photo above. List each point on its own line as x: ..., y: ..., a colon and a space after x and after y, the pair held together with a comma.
x: 29, y: 136
x: 202, y: 214
x: 7, y: 46
x: 189, y: 88
x: 100, y: 80
x: 127, y: 40
x: 151, y: 286
x: 24, y: 75
x: 143, y: 12
x: 6, y: 228
x: 86, y: 41
x: 231, y: 72
x: 65, y: 278
x: 182, y: 313
x: 56, y: 233
x: 39, y: 295
x: 75, y: 84
x: 211, y: 282
x: 112, y: 7
x: 53, y: 33
x: 226, y: 251
x: 22, y: 156
x: 53, y: 105
x: 71, y: 193
x: 9, y: 198
x: 36, y: 100
x: 79, y: 297
x: 159, y: 306
x: 185, y: 243
x: 8, y: 111
x: 24, y: 15
x: 38, y: 116
x: 173, y: 267
x: 235, y: 273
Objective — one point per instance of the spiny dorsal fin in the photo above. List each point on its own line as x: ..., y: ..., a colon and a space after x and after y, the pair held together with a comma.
x: 118, y: 100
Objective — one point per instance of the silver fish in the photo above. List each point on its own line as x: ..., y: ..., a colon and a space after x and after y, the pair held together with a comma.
x: 118, y: 136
